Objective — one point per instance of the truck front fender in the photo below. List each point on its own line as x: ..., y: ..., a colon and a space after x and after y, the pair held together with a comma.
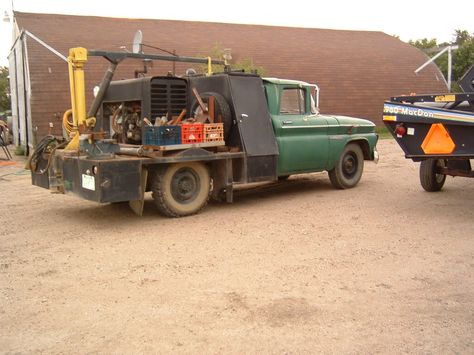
x: 337, y: 144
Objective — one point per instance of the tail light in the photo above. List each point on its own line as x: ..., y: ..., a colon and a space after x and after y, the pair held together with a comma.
x: 400, y: 130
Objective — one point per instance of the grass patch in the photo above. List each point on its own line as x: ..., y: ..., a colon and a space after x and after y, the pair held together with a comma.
x: 20, y: 150
x: 383, y: 132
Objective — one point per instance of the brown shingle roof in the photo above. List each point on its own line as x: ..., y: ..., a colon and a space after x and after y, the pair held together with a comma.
x: 356, y: 70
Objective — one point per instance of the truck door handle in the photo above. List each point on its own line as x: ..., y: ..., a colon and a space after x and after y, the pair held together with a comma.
x: 287, y: 122
x: 243, y: 116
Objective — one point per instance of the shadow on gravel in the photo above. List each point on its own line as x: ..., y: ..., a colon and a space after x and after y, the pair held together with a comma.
x: 281, y: 189
x: 120, y: 213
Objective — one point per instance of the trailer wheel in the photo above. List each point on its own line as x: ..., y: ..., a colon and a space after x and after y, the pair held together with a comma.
x: 349, y: 167
x: 429, y: 179
x: 181, y: 189
x: 223, y: 114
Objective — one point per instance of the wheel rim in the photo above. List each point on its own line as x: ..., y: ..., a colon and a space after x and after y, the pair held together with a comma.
x: 185, y: 185
x: 349, y: 165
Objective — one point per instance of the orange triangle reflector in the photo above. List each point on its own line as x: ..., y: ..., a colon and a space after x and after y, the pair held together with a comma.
x: 438, y: 141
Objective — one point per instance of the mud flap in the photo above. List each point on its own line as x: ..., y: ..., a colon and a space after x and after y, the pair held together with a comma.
x: 137, y: 205
x: 222, y: 181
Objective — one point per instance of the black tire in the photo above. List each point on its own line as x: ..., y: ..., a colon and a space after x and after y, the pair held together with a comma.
x: 222, y: 110
x: 348, y: 170
x: 429, y: 179
x: 283, y: 177
x: 181, y: 189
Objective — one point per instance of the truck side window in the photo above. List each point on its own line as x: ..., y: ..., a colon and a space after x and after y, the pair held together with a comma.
x: 292, y: 101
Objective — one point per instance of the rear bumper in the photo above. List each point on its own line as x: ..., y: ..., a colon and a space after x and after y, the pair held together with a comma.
x: 114, y: 180
x: 99, y: 180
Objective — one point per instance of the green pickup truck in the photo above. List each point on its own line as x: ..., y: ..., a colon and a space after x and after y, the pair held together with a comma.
x: 309, y: 141
x: 271, y: 129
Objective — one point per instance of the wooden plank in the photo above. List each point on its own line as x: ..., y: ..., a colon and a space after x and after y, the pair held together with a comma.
x: 184, y: 146
x: 199, y: 100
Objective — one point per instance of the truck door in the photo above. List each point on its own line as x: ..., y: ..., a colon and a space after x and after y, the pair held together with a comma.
x: 301, y: 135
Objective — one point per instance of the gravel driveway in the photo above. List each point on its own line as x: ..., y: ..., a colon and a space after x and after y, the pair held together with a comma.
x: 296, y: 267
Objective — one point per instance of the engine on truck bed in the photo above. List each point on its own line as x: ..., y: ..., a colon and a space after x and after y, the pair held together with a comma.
x: 130, y: 104
x: 125, y: 121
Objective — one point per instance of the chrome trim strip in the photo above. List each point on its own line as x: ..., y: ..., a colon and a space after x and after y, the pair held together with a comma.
x: 303, y: 126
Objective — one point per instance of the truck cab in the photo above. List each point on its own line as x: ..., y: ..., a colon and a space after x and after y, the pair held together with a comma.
x: 309, y: 141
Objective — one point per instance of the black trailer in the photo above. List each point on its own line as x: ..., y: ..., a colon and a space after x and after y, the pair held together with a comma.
x: 436, y: 130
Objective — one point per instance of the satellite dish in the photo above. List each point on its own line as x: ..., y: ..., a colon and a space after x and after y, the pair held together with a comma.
x: 137, y: 42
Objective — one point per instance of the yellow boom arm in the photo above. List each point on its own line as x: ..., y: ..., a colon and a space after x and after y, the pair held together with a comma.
x: 76, y: 60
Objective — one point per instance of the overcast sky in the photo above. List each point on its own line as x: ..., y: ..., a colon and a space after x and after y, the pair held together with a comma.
x: 406, y: 19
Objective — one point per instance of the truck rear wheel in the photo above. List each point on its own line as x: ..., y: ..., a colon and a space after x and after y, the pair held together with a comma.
x: 429, y: 178
x: 349, y: 167
x: 181, y: 189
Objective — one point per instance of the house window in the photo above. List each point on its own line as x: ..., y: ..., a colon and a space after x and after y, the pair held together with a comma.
x: 292, y: 102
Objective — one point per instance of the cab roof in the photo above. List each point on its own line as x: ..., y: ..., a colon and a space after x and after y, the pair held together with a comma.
x: 285, y: 81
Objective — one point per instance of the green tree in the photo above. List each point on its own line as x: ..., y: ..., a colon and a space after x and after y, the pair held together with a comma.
x: 246, y: 64
x: 463, y: 57
x: 5, y: 103
x: 461, y: 37
x: 424, y: 43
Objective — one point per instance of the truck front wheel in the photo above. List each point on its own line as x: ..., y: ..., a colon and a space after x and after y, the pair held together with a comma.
x: 429, y: 178
x: 349, y: 167
x: 181, y: 189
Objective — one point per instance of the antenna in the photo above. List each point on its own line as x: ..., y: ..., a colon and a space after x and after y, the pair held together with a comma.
x: 449, y: 49
x: 137, y: 42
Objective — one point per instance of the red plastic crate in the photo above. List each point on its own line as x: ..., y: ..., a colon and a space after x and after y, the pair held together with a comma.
x: 192, y: 133
x: 214, y: 132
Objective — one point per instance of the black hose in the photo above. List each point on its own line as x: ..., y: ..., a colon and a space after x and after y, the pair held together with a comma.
x: 104, y: 85
x: 37, y: 154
